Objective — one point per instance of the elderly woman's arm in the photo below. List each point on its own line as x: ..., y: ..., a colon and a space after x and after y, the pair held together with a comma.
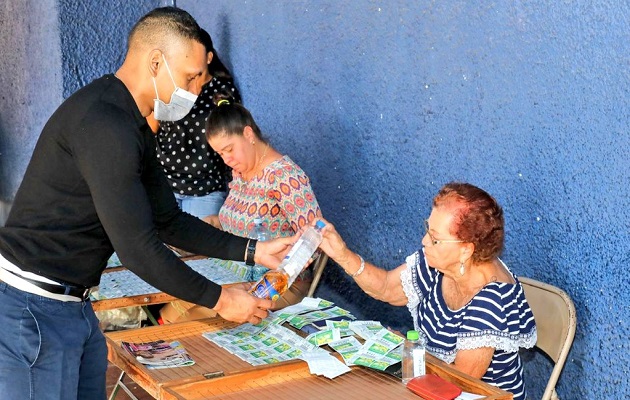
x: 474, y: 362
x: 380, y: 284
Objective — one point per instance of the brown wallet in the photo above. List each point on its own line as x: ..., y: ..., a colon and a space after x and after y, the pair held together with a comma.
x: 432, y: 387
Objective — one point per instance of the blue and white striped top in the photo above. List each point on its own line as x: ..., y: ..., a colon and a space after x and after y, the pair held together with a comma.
x: 498, y: 316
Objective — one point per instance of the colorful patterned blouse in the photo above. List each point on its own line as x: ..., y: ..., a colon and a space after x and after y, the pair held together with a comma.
x: 498, y: 316
x: 281, y: 195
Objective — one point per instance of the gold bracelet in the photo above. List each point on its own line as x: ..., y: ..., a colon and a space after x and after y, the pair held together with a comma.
x: 361, y: 268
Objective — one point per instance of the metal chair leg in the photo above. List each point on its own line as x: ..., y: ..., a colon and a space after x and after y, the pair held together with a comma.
x: 121, y: 385
x: 150, y: 316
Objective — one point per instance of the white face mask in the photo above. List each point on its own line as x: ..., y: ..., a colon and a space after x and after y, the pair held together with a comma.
x: 180, y: 105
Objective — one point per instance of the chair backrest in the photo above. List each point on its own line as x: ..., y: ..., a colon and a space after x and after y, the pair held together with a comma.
x: 318, y: 269
x: 556, y: 320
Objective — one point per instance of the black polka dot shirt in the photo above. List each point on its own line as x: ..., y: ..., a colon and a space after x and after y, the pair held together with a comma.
x: 191, y: 166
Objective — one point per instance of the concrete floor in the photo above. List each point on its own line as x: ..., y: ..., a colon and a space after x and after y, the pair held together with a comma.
x: 113, y: 373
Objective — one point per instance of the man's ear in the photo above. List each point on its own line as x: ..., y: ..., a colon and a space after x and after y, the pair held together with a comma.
x: 155, y: 62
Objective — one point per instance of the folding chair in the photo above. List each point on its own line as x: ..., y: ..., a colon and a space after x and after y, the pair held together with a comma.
x: 318, y: 269
x: 556, y: 320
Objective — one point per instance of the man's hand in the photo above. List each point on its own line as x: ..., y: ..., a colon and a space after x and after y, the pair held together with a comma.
x: 271, y: 252
x: 235, y: 304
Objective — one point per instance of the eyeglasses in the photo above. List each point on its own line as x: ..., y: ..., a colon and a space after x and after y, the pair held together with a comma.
x: 434, y: 241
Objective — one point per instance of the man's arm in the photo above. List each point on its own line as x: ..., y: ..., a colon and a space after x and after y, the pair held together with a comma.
x: 112, y: 157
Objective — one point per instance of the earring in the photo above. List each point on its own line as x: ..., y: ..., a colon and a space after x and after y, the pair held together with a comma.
x: 253, y: 142
x: 462, y: 269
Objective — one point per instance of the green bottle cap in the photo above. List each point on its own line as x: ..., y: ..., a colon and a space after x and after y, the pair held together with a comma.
x: 412, y: 335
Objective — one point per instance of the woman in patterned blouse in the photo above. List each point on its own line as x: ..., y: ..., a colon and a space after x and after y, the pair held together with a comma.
x: 265, y: 185
x: 466, y: 304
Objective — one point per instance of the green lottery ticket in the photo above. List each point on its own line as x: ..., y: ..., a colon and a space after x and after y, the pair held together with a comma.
x: 323, y: 337
x: 380, y: 351
x: 366, y: 329
x: 346, y: 347
x: 343, y: 326
x: 274, y: 344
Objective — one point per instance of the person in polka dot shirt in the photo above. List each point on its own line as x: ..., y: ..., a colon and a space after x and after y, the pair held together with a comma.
x: 197, y: 175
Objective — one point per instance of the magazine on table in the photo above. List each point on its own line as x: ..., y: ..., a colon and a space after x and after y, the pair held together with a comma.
x: 159, y: 354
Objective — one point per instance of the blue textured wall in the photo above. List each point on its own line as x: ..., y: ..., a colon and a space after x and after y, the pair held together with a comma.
x: 383, y: 102
x: 30, y: 85
x: 94, y: 37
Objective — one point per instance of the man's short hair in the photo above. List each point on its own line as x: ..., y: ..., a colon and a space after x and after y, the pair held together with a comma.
x: 164, y: 28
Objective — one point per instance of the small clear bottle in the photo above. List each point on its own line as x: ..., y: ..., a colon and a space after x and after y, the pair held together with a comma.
x: 274, y: 283
x: 260, y: 233
x: 413, y: 357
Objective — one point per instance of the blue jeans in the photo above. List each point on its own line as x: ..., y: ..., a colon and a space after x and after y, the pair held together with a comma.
x: 49, y: 349
x: 201, y: 206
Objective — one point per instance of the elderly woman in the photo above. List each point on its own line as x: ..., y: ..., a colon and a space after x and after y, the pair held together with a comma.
x: 464, y: 300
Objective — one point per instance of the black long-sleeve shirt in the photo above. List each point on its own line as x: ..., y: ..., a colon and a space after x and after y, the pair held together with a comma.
x: 94, y: 185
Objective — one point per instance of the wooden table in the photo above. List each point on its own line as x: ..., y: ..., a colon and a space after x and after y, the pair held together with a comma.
x: 219, y: 374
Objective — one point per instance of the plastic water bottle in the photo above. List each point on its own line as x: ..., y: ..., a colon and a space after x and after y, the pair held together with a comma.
x: 412, y: 357
x: 260, y: 233
x: 274, y: 283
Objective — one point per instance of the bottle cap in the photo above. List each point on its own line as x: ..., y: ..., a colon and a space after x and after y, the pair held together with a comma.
x: 320, y: 224
x: 412, y: 335
x: 257, y: 221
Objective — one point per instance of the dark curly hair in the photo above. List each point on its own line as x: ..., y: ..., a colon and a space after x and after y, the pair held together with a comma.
x: 478, y: 218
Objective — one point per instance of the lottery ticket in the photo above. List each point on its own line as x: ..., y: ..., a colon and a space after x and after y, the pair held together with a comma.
x: 299, y: 321
x: 324, y: 337
x: 383, y: 341
x: 271, y: 345
x: 366, y: 329
x: 343, y: 326
x: 346, y: 347
x: 322, y: 363
x: 376, y: 356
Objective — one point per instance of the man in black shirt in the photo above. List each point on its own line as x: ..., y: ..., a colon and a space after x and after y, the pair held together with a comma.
x: 94, y: 185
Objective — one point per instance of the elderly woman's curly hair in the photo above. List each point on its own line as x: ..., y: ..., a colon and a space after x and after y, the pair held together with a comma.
x: 478, y: 218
